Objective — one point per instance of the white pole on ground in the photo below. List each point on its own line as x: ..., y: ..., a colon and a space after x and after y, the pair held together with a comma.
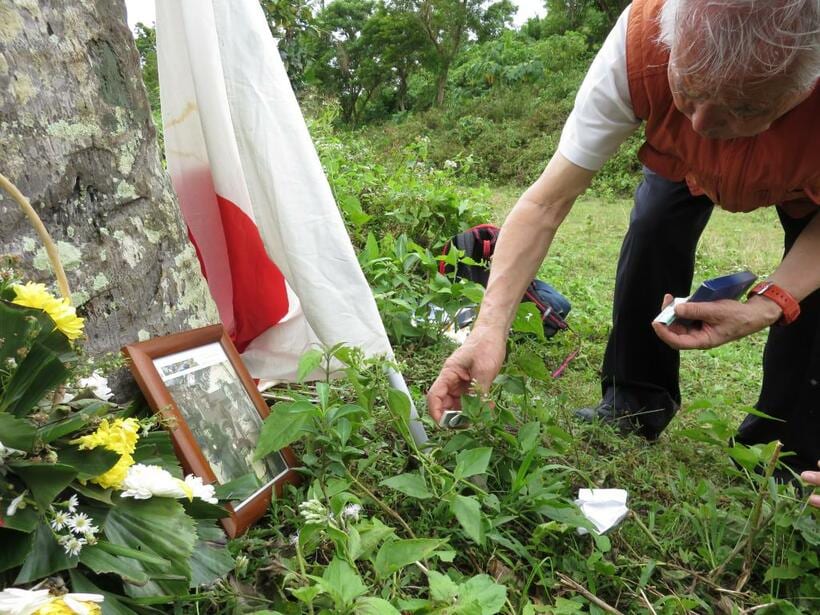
x: 416, y: 427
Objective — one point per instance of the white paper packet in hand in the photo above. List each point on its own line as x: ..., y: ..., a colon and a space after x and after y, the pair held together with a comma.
x: 605, y: 508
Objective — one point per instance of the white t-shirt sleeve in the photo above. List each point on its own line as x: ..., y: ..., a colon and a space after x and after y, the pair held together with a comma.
x: 602, y: 118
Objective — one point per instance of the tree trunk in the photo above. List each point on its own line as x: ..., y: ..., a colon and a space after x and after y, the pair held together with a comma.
x: 77, y: 138
x: 441, y: 83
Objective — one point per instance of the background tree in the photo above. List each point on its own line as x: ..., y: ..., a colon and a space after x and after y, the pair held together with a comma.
x: 78, y: 140
x: 292, y: 23
x: 449, y: 23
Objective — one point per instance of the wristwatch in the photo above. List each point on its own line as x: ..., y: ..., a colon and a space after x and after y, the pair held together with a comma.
x: 787, y: 303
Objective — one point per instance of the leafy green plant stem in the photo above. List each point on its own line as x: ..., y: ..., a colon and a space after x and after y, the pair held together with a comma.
x: 747, y: 541
x: 647, y: 531
x: 381, y: 504
x: 303, y: 571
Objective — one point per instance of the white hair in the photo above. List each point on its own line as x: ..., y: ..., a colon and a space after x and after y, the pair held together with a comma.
x: 744, y: 40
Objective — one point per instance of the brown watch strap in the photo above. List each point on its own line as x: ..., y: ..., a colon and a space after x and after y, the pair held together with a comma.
x: 784, y: 299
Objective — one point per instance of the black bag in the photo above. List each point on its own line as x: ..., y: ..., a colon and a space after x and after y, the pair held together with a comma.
x: 478, y: 243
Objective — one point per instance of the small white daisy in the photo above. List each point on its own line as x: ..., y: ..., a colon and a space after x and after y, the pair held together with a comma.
x: 60, y: 520
x: 74, y: 545
x: 73, y: 502
x: 81, y: 524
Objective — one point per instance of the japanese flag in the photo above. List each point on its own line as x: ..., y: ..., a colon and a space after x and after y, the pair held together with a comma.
x: 259, y: 211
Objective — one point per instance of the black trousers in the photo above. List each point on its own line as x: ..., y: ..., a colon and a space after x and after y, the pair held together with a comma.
x: 640, y: 372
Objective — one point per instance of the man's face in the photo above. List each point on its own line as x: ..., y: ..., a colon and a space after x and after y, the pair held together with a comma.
x: 734, y: 110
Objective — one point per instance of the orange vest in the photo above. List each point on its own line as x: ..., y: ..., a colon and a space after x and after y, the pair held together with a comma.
x: 780, y: 165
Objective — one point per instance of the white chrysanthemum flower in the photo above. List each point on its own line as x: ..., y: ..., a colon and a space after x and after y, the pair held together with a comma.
x: 81, y: 524
x: 16, y: 601
x: 59, y: 520
x: 200, y: 490
x: 146, y: 481
x: 73, y: 545
x: 351, y: 511
x: 72, y: 503
x: 15, y: 504
x: 98, y: 385
x: 450, y: 164
x: 75, y: 602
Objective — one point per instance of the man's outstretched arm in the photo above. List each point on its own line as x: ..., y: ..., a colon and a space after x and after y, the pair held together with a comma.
x: 522, y: 245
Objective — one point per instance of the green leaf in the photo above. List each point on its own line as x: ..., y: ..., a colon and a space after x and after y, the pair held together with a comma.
x: 24, y: 520
x: 374, y: 606
x: 16, y: 546
x: 473, y: 461
x: 568, y: 514
x: 411, y: 484
x: 532, y: 365
x: 75, y: 422
x: 156, y: 448
x: 490, y: 595
x: 113, y: 604
x: 16, y: 433
x: 342, y: 582
x: 37, y: 374
x: 102, y: 562
x: 211, y: 559
x: 352, y: 208
x: 308, y: 363
x: 368, y: 534
x: 15, y: 324
x: 285, y: 424
x: 783, y: 572
x: 161, y: 528
x: 240, y: 488
x: 467, y: 510
x: 44, y: 558
x: 93, y: 492
x: 442, y: 587
x: 306, y: 594
x: 45, y: 480
x: 200, y: 509
x: 137, y: 554
x: 396, y: 554
x: 88, y: 463
x: 528, y: 320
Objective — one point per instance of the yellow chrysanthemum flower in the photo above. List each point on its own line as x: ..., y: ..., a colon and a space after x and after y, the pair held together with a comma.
x: 58, y: 607
x: 115, y: 476
x: 119, y: 436
x: 59, y: 310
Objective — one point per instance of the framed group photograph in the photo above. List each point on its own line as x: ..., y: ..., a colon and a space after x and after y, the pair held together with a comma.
x: 198, y: 381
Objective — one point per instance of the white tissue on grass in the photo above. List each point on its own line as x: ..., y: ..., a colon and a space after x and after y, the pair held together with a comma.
x: 605, y: 508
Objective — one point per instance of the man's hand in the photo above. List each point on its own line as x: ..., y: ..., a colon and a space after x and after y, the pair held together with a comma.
x: 813, y: 478
x: 478, y: 360
x: 721, y: 322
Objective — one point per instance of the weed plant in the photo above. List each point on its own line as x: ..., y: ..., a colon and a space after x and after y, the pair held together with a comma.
x: 483, y: 520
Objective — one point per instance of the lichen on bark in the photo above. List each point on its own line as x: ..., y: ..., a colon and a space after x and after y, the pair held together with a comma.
x: 76, y: 136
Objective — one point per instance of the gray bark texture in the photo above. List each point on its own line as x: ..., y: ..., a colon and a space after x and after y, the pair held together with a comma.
x: 76, y: 137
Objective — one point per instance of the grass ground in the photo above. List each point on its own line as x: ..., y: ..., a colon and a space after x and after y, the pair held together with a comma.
x: 694, y: 541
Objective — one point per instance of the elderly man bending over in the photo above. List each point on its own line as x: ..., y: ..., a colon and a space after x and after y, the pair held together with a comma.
x: 726, y: 89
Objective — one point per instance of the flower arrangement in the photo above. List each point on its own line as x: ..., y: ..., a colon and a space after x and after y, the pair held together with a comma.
x: 92, y: 497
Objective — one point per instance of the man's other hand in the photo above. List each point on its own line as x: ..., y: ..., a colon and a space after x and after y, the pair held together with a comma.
x: 477, y: 361
x: 813, y: 478
x: 720, y: 322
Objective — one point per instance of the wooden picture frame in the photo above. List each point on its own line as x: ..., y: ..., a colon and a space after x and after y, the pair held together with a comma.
x: 197, y: 380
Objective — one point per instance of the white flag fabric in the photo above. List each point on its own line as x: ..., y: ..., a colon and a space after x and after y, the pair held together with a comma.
x: 268, y: 233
